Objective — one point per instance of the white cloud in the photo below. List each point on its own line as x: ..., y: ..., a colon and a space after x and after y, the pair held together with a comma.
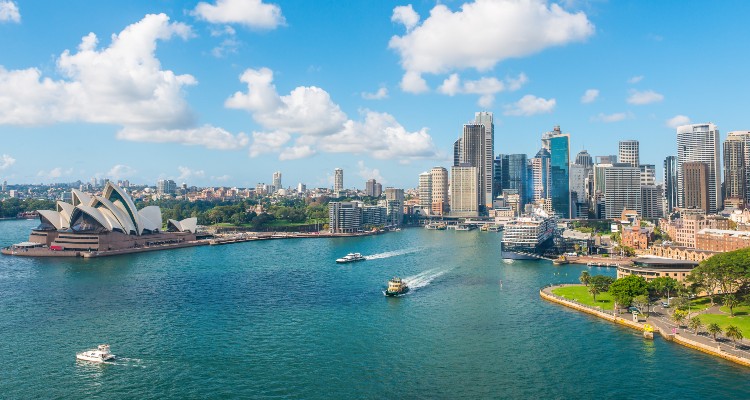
x: 222, y: 178
x: 122, y: 84
x: 55, y: 173
x: 406, y: 16
x: 678, y: 120
x: 530, y: 105
x: 644, y: 97
x: 6, y: 162
x: 370, y: 173
x: 589, y: 96
x: 208, y: 136
x: 9, y: 11
x: 251, y: 13
x: 486, y: 87
x: 187, y: 173
x: 120, y: 171
x: 615, y: 117
x: 382, y: 93
x: 482, y: 34
x: 316, y: 123
x: 635, y: 79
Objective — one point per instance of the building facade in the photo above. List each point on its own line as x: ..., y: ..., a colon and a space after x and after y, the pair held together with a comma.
x: 338, y: 181
x: 735, y: 181
x: 629, y: 152
x: 440, y: 183
x: 622, y: 189
x: 464, y: 191
x: 344, y: 217
x: 696, y: 186
x: 700, y: 143
x: 670, y: 184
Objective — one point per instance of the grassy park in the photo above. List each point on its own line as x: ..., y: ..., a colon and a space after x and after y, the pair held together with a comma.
x: 581, y: 294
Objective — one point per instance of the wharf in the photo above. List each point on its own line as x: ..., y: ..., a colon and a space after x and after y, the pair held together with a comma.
x: 248, y: 237
x: 661, y: 323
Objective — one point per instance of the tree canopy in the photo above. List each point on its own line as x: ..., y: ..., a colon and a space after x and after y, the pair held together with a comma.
x: 623, y: 290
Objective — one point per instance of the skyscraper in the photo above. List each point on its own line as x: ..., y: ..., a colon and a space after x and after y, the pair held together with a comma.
x: 439, y: 190
x: 484, y: 118
x: 476, y: 148
x: 648, y: 174
x: 425, y: 190
x: 277, y: 181
x: 373, y: 188
x: 629, y: 152
x: 539, y: 175
x: 622, y: 189
x: 745, y: 137
x: 464, y: 190
x: 651, y: 201
x: 338, y: 181
x: 695, y: 181
x: 166, y: 187
x: 670, y: 183
x: 394, y: 202
x: 558, y: 144
x: 584, y: 158
x: 700, y: 143
x: 735, y: 182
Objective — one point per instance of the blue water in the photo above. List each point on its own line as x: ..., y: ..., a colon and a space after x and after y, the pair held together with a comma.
x: 280, y: 319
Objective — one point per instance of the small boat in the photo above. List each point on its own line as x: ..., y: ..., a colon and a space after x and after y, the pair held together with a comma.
x: 562, y: 260
x: 396, y: 287
x: 100, y: 354
x: 351, y: 257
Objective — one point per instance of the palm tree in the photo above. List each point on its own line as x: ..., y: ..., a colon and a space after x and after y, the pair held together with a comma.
x: 594, y: 290
x: 730, y: 301
x: 733, y: 333
x: 695, y: 324
x: 714, y: 329
x: 585, y: 278
x: 679, y: 316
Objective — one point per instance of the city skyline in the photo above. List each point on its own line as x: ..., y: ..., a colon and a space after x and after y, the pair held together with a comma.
x: 230, y: 108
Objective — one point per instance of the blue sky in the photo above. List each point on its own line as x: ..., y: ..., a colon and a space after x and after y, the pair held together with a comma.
x: 225, y: 92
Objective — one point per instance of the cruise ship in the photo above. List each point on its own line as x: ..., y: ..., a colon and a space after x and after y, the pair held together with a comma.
x: 529, y: 236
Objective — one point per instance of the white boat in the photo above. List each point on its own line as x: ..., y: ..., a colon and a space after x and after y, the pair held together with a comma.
x: 100, y: 354
x: 351, y: 257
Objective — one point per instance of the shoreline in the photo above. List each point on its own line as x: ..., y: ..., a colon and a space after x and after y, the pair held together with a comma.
x: 546, y: 294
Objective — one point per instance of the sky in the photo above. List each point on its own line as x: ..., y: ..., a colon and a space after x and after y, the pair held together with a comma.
x: 225, y: 92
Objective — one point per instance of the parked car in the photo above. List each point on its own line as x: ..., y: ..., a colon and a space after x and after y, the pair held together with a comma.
x: 664, y: 304
x: 634, y: 310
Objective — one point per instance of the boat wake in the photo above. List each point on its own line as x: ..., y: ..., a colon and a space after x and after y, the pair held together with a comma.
x: 126, y: 362
x: 394, y: 253
x: 423, y: 278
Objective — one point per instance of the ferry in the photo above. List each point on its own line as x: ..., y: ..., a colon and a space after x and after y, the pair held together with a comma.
x: 529, y: 236
x: 562, y: 260
x: 396, y: 287
x: 351, y: 257
x: 100, y: 354
x: 435, y: 226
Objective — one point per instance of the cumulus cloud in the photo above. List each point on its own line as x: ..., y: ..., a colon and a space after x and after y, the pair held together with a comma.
x: 486, y: 87
x: 644, y: 97
x: 252, y: 13
x: 589, y: 96
x: 678, y: 120
x: 55, y: 173
x: 482, y: 34
x: 221, y: 178
x: 635, y: 79
x: 406, y: 16
x: 208, y: 136
x: 310, y: 117
x: 120, y: 171
x: 382, y: 93
x: 6, y: 162
x: 530, y: 105
x: 615, y: 117
x: 9, y: 11
x: 369, y: 173
x: 186, y: 173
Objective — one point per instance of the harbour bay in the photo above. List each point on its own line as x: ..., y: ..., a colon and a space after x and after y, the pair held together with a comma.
x: 281, y: 319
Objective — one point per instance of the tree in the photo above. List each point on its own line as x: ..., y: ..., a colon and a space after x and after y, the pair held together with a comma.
x: 727, y: 271
x: 695, y: 324
x: 731, y: 301
x: 679, y: 316
x: 599, y: 284
x: 623, y: 290
x: 594, y: 290
x: 734, y: 333
x: 641, y: 301
x: 585, y: 278
x: 663, y: 285
x: 714, y: 329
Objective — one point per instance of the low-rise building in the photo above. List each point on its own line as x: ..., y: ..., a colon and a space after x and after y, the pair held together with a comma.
x: 681, y: 253
x: 651, y: 268
x: 636, y: 236
x: 722, y: 240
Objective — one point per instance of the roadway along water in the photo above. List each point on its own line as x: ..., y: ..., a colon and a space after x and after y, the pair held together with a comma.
x: 281, y: 319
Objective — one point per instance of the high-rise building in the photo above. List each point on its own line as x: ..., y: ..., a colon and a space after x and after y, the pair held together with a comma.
x: 735, y: 170
x: 301, y: 188
x: 425, y: 190
x: 166, y: 187
x: 648, y: 174
x: 558, y: 144
x: 277, y: 181
x: 651, y: 201
x: 629, y: 153
x: 745, y: 137
x: 485, y: 119
x: 622, y: 189
x: 695, y: 177
x: 344, y: 217
x: 464, y: 190
x: 457, y: 152
x: 539, y: 175
x: 370, y: 188
x: 584, y: 158
x: 476, y: 148
x: 378, y: 190
x: 700, y: 143
x: 5, y: 186
x: 394, y: 200
x: 501, y: 175
x: 338, y: 181
x: 611, y: 159
x: 670, y: 184
x: 578, y: 175
x: 440, y: 193
x: 517, y: 177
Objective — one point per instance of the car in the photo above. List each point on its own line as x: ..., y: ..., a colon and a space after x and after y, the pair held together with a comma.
x: 664, y: 304
x: 634, y: 310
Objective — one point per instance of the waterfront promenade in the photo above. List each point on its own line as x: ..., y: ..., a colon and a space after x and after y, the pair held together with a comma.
x: 660, y: 320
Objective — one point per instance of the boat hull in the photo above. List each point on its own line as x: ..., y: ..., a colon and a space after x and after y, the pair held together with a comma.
x: 341, y: 261
x: 86, y: 357
x: 513, y: 255
x: 395, y: 294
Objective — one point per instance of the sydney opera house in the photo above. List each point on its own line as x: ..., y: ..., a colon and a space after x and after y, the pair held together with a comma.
x: 108, y: 222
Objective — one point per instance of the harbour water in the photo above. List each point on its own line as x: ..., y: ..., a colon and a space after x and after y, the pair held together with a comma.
x: 280, y: 319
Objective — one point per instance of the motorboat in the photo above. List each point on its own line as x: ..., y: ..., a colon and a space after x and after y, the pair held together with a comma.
x: 351, y: 257
x: 396, y: 287
x: 100, y: 354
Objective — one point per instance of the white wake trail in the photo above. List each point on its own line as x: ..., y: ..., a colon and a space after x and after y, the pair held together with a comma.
x: 394, y: 253
x: 424, y: 278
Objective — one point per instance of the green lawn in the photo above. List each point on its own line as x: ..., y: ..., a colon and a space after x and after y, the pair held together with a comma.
x: 740, y: 321
x: 700, y: 304
x: 581, y: 294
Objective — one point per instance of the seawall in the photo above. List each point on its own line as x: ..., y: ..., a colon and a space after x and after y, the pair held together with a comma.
x: 580, y: 307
